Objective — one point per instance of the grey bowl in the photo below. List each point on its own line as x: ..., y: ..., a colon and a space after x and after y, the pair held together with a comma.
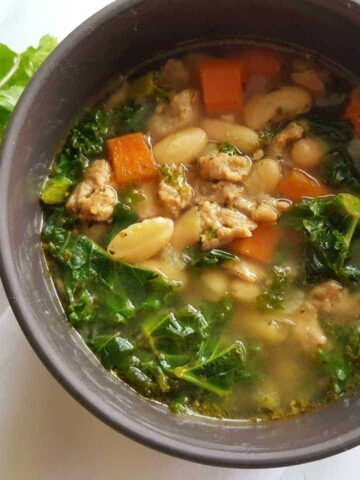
x: 116, y: 39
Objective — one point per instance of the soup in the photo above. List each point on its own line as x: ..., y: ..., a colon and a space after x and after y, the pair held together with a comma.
x: 201, y: 228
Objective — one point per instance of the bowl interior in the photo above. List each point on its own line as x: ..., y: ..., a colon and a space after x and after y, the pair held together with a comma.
x: 114, y: 41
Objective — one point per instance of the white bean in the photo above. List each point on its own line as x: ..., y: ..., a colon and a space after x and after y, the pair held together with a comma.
x: 180, y: 147
x: 150, y: 206
x: 216, y: 284
x: 221, y: 131
x: 141, y: 240
x: 187, y: 229
x: 283, y: 103
x: 166, y: 269
x: 264, y: 176
x: 244, y: 292
x: 245, y: 270
x: 307, y: 152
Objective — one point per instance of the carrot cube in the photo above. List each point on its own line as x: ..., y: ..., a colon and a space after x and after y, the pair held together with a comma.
x: 297, y: 185
x: 131, y: 159
x: 261, y: 246
x: 221, y: 83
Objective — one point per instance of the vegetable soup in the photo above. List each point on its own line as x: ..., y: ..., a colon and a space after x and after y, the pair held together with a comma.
x: 201, y: 224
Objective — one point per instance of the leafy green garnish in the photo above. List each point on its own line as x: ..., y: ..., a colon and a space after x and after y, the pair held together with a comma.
x: 268, y: 132
x: 329, y: 226
x: 341, y: 359
x: 132, y: 116
x: 327, y: 127
x: 338, y: 170
x: 124, y: 212
x: 195, y: 257
x: 228, y: 148
x: 273, y: 296
x: 85, y: 141
x: 16, y: 71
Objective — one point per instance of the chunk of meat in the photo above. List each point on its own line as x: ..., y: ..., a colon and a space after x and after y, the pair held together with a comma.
x: 222, y: 225
x: 332, y: 298
x: 174, y: 74
x: 181, y: 112
x: 223, y: 193
x: 221, y: 166
x: 94, y: 198
x: 264, y: 213
x: 230, y: 195
x: 307, y: 329
x: 174, y: 192
x: 290, y: 134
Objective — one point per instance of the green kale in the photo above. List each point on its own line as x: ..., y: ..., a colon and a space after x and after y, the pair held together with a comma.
x: 335, y: 103
x: 132, y: 116
x: 124, y: 214
x: 195, y: 257
x: 273, y: 296
x: 268, y: 132
x: 341, y: 359
x: 328, y: 226
x: 16, y: 71
x: 324, y: 125
x: 219, y: 372
x: 135, y: 366
x: 85, y: 141
x: 338, y: 170
x: 228, y: 148
x: 99, y: 290
x: 176, y: 336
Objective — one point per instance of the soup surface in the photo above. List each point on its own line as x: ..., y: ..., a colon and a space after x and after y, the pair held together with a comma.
x: 201, y: 223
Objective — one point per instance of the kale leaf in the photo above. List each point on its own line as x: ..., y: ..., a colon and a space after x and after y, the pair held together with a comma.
x: 323, y: 124
x: 341, y: 359
x: 134, y: 365
x: 176, y: 336
x: 228, y: 148
x: 219, y: 372
x: 338, y: 170
x: 269, y: 130
x: 273, y: 296
x: 328, y: 226
x: 195, y: 257
x: 85, y: 141
x: 99, y: 289
x: 124, y: 213
x: 132, y: 116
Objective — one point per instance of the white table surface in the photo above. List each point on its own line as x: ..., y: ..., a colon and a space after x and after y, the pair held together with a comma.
x: 44, y: 433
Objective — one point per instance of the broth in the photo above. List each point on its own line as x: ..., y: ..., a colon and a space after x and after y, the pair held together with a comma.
x: 201, y: 227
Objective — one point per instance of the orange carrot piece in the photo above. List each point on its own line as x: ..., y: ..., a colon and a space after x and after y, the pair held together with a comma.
x: 352, y: 111
x: 131, y: 159
x: 221, y: 83
x: 297, y: 185
x: 262, y: 245
x: 260, y: 62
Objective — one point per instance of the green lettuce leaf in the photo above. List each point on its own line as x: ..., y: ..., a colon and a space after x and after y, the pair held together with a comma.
x: 16, y: 70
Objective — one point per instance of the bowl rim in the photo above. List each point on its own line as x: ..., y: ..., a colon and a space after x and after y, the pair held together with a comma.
x: 158, y: 441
